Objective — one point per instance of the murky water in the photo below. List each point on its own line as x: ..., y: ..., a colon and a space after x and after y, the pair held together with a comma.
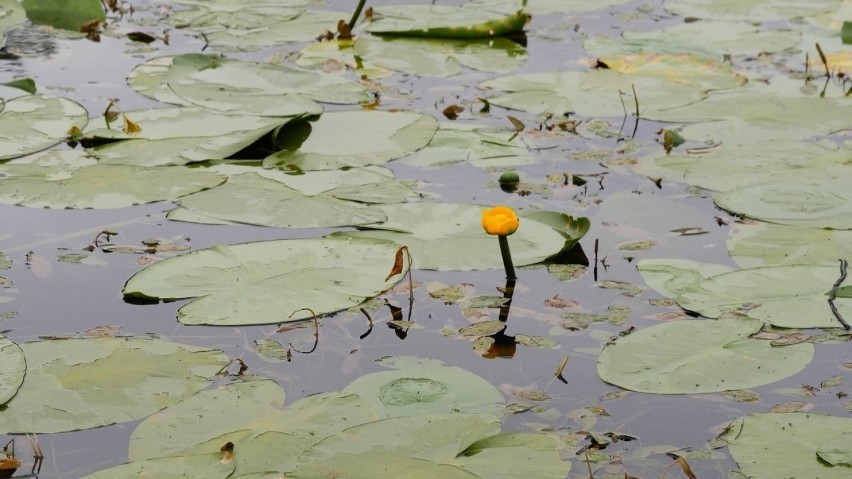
x: 58, y: 299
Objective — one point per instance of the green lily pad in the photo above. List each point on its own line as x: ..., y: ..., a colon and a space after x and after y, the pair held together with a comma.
x: 545, y: 7
x: 766, y: 244
x: 314, y: 199
x: 484, y: 328
x: 425, y: 386
x: 13, y: 366
x: 357, y: 138
x: 440, y: 58
x: 794, y: 296
x: 444, y: 21
x: 794, y: 450
x: 820, y: 200
x: 450, y: 445
x: 661, y: 82
x: 671, y: 276
x: 695, y: 356
x: 265, y: 282
x: 483, y: 147
x: 34, y: 122
x: 76, y: 384
x: 232, y: 86
x: 447, y: 237
x: 11, y: 14
x: 709, y: 39
x: 65, y: 15
x: 749, y: 9
x: 241, y: 26
x: 242, y: 412
x: 177, y: 136
x: 70, y: 179
x: 837, y: 451
x: 201, y: 466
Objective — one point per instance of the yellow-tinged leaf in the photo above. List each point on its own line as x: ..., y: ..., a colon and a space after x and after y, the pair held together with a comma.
x: 130, y: 127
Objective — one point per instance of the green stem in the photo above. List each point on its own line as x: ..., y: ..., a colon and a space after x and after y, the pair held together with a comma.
x: 507, y: 257
x: 356, y: 13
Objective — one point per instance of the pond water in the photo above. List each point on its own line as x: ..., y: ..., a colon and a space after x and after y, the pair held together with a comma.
x: 56, y: 298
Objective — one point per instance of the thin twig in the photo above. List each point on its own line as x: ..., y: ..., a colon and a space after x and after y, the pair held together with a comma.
x: 824, y: 60
x: 589, y: 464
x: 316, y: 331
x: 833, y: 294
x: 370, y: 321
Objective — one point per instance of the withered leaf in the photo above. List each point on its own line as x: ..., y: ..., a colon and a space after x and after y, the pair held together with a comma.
x: 452, y: 111
x: 141, y: 37
x: 130, y: 126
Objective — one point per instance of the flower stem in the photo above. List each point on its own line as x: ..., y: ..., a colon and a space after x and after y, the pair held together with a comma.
x: 356, y: 14
x: 507, y: 257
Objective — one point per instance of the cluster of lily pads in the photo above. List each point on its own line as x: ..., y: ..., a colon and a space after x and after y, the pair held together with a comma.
x: 772, y: 149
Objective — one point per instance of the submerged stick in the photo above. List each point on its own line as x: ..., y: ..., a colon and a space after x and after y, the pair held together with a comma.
x: 833, y: 294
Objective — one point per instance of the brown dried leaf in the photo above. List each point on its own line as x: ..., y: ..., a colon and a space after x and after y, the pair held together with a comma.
x: 130, y: 127
x: 141, y: 37
x: 452, y: 111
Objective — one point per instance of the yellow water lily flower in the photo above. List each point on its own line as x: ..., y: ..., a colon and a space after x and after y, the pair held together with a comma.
x: 500, y: 220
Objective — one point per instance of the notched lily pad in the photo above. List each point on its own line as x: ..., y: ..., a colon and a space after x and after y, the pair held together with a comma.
x: 34, y: 122
x: 265, y: 282
x: 13, y: 366
x: 76, y: 384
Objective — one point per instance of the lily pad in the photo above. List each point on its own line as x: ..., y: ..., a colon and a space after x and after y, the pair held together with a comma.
x: 265, y: 282
x: 76, y: 384
x: 255, y: 25
x: 232, y: 86
x: 246, y: 411
x: 695, y: 356
x: 425, y: 386
x: 545, y: 7
x: 448, y: 236
x: 62, y: 14
x: 440, y: 58
x: 455, y: 445
x: 70, y: 179
x: 766, y: 244
x: 357, y: 138
x: 671, y: 276
x: 483, y: 147
x: 792, y: 296
x: 820, y: 200
x: 13, y: 366
x: 177, y: 136
x: 201, y: 466
x: 314, y: 199
x: 661, y: 82
x: 444, y: 21
x: 34, y: 122
x: 749, y: 9
x: 794, y: 450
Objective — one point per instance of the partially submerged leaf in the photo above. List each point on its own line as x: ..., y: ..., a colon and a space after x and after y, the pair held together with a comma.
x: 444, y: 21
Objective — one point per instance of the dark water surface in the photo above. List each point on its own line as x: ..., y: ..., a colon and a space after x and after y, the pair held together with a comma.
x: 58, y: 299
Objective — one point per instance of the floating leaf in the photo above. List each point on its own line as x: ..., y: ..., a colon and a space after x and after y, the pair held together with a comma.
x: 794, y: 451
x: 231, y: 86
x: 765, y: 244
x: 314, y: 199
x: 26, y: 84
x: 417, y: 386
x: 84, y: 383
x: 201, y: 466
x: 484, y: 328
x: 785, y: 296
x: 686, y: 357
x: 264, y: 282
x: 271, y: 350
x: 373, y: 56
x: 63, y: 14
x: 482, y: 147
x: 544, y: 7
x: 13, y: 366
x: 177, y: 136
x: 70, y: 179
x: 444, y: 21
x: 242, y: 413
x: 35, y: 122
x: 446, y: 236
x: 536, y: 341
x: 357, y: 138
x: 671, y: 276
x: 822, y: 200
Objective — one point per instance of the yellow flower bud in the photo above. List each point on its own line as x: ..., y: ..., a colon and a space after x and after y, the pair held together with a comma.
x: 500, y: 220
